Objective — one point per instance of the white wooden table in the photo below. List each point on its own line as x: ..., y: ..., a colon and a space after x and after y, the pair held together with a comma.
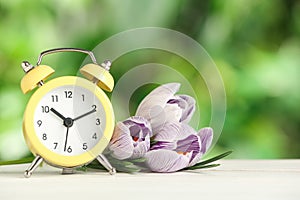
x: 234, y: 179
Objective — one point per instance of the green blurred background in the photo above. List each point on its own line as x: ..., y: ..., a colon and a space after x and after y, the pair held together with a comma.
x: 254, y: 43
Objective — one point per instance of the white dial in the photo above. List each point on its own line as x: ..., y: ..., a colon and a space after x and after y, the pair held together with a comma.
x: 69, y: 120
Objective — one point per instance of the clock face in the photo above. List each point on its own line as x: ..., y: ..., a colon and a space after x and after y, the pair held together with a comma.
x: 69, y: 120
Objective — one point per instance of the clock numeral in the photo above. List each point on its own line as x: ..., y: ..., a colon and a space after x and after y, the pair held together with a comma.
x: 97, y: 121
x: 84, y: 146
x: 54, y: 98
x: 68, y: 94
x: 69, y: 149
x: 94, y: 136
x: 55, y: 145
x: 39, y: 123
x: 82, y: 97
x: 45, y: 109
x: 44, y: 136
x: 94, y: 107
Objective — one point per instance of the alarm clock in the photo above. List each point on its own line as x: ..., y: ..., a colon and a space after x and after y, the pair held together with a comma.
x: 68, y: 120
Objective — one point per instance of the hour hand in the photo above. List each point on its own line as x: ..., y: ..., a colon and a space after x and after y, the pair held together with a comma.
x: 57, y: 113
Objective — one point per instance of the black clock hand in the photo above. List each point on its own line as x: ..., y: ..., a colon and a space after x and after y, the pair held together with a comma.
x: 85, y: 114
x: 57, y: 113
x: 68, y: 122
x: 66, y: 141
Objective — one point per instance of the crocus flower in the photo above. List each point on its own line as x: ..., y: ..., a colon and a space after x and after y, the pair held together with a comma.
x: 162, y: 117
x: 131, y: 138
x: 162, y: 106
x: 170, y: 156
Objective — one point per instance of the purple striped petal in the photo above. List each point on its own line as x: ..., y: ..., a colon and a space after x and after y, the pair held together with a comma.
x: 189, y: 144
x: 186, y: 104
x: 141, y: 148
x: 121, y: 146
x: 196, y: 157
x: 131, y: 138
x: 166, y: 161
x: 206, y: 136
x: 139, y: 127
x: 163, y: 145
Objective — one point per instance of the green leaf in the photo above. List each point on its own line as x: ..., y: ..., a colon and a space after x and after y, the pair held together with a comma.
x: 138, y: 160
x: 20, y: 161
x: 202, y: 166
x: 120, y: 165
x: 95, y: 165
x: 218, y: 157
x: 204, y: 163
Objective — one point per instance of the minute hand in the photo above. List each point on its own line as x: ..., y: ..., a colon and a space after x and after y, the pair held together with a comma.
x: 85, y: 114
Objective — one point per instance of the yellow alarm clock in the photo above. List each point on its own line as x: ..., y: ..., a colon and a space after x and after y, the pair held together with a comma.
x: 68, y: 120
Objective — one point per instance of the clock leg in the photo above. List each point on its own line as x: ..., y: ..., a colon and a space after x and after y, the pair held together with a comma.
x: 35, y: 163
x: 103, y: 161
x: 68, y: 171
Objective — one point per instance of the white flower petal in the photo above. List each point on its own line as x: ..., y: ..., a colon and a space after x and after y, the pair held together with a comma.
x: 173, y: 113
x: 174, y: 131
x: 166, y: 161
x: 152, y: 106
x: 169, y: 132
x: 186, y: 130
